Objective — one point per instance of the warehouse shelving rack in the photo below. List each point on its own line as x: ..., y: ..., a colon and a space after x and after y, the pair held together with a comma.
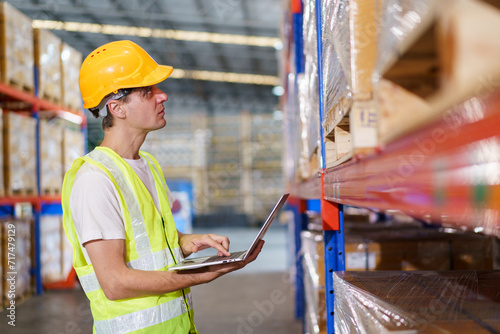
x: 41, y: 204
x: 431, y: 182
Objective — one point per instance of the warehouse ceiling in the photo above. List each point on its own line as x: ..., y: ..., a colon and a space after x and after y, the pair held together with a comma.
x: 180, y: 28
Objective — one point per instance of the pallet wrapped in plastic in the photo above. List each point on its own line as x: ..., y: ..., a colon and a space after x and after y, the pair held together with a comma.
x: 20, y: 154
x: 71, y: 60
x: 51, y: 248
x: 16, y: 261
x: 48, y: 62
x: 51, y: 137
x: 417, y: 302
x: 308, y: 84
x: 73, y: 147
x: 314, y: 281
x: 400, y: 21
x: 336, y: 59
x: 16, y: 48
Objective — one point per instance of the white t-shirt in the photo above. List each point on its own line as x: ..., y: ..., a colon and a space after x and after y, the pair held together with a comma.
x: 95, y: 204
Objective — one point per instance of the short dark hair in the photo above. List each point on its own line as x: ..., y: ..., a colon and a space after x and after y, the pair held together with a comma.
x: 107, y: 122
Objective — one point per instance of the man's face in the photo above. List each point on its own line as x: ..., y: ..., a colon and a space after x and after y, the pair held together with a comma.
x: 145, y: 110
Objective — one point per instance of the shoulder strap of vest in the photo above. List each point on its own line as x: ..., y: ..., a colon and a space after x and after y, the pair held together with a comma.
x: 156, y: 166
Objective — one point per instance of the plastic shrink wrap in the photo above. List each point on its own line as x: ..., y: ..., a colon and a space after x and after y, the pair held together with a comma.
x: 20, y: 153
x: 16, y: 48
x: 308, y: 87
x: 336, y: 59
x: 417, y: 302
x: 19, y: 253
x: 51, y: 232
x: 400, y: 23
x: 71, y: 60
x: 73, y: 147
x: 48, y: 61
x: 291, y: 124
x: 314, y: 281
x: 51, y: 137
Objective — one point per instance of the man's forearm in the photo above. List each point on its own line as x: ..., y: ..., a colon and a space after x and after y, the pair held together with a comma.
x: 130, y: 283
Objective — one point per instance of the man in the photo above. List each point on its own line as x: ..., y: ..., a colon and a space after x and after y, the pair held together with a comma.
x: 117, y: 205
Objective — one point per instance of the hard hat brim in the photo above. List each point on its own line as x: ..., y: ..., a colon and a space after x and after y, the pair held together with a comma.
x: 158, y: 75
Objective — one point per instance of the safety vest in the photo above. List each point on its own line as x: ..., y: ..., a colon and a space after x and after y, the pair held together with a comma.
x: 152, y: 244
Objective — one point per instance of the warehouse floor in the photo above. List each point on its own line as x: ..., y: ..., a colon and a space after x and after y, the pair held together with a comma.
x: 258, y: 299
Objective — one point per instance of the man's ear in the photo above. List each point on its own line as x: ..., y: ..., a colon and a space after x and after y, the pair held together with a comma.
x: 116, y: 108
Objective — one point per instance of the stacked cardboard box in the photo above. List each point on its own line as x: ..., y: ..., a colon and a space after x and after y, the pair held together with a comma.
x: 17, y: 258
x: 349, y: 29
x: 307, y: 84
x: 50, y: 230
x: 73, y: 146
x: 19, y: 154
x: 261, y: 156
x: 51, y: 137
x: 16, y: 48
x: 224, y: 164
x: 48, y: 62
x: 71, y: 60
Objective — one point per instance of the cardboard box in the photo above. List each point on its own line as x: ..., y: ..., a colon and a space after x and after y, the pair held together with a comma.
x: 73, y: 143
x: 51, y: 138
x: 19, y: 134
x: 51, y: 248
x: 16, y: 48
x: 48, y: 61
x: 17, y: 259
x: 71, y: 61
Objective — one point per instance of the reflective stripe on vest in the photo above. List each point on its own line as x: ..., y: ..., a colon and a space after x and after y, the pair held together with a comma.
x: 143, y: 246
x: 141, y: 319
x: 157, y: 261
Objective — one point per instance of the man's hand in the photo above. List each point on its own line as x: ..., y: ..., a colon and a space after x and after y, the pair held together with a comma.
x: 192, y: 243
x: 210, y: 273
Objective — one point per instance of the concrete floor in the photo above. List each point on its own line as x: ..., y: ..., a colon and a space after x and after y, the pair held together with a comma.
x: 258, y: 299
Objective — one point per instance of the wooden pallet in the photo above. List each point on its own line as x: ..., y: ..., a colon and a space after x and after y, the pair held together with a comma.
x: 354, y: 135
x: 20, y: 85
x: 50, y: 192
x: 452, y: 58
x: 21, y: 192
x: 19, y: 299
x: 51, y: 99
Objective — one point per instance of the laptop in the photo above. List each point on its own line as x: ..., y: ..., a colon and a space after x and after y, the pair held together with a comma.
x: 198, y: 262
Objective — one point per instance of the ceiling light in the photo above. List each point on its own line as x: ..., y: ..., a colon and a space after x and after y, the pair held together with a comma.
x: 278, y: 90
x: 184, y: 35
x: 254, y: 79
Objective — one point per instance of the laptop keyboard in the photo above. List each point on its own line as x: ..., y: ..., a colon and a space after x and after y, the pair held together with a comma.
x: 219, y: 258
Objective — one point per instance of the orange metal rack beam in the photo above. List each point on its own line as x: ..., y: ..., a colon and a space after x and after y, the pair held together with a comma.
x: 447, y: 172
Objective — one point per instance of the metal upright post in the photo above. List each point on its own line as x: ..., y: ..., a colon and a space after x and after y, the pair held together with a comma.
x: 331, y: 213
x: 298, y: 206
x: 333, y: 234
x: 37, y: 270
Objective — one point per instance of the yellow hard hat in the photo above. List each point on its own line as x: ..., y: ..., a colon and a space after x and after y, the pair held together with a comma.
x: 117, y: 65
